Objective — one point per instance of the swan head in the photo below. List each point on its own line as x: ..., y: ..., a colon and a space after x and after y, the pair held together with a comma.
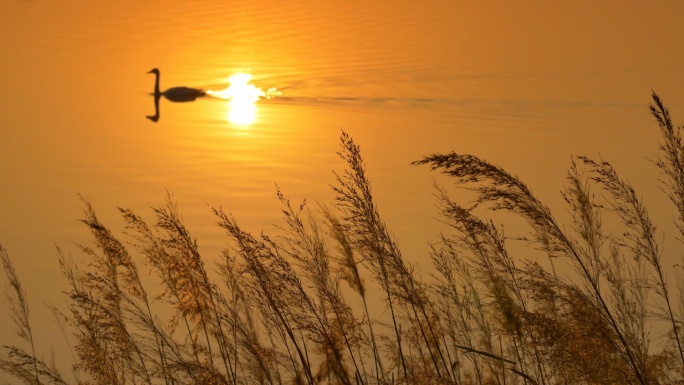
x: 153, y: 71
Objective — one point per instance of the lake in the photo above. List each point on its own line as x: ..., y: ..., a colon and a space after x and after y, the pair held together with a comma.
x: 525, y: 85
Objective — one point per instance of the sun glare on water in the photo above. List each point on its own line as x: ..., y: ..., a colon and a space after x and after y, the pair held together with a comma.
x: 242, y: 98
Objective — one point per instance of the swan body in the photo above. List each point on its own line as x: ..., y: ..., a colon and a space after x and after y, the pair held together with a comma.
x: 176, y: 94
x: 182, y: 94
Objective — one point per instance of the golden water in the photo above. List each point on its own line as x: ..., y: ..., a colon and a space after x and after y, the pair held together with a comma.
x: 524, y: 85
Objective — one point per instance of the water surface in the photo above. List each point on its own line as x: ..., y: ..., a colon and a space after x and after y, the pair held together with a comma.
x: 524, y: 85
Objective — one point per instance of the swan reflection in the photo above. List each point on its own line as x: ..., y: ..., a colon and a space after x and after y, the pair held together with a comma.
x: 174, y: 94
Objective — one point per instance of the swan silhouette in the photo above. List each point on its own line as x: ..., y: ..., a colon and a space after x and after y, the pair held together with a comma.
x: 174, y: 94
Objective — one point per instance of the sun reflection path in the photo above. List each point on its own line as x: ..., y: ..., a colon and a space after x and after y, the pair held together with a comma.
x: 242, y: 98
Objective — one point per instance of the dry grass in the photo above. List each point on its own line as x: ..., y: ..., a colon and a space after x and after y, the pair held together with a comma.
x: 292, y: 308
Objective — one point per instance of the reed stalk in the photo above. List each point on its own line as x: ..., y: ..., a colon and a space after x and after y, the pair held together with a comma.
x: 547, y: 303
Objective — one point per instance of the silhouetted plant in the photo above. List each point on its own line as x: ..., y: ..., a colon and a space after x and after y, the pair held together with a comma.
x: 18, y: 361
x: 592, y: 301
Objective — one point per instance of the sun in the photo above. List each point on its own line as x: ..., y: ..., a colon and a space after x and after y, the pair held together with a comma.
x: 242, y: 98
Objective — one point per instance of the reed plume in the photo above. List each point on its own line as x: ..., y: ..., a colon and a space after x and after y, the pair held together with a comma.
x: 592, y: 299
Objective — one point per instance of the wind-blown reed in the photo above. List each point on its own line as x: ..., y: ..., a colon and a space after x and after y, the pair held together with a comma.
x: 293, y: 307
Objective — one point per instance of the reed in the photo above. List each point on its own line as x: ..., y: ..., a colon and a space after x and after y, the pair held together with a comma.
x: 593, y: 300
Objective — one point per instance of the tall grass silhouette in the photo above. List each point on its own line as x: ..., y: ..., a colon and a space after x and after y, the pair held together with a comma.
x: 603, y: 305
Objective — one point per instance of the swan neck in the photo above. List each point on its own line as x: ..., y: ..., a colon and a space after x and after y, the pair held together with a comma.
x: 156, y: 84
